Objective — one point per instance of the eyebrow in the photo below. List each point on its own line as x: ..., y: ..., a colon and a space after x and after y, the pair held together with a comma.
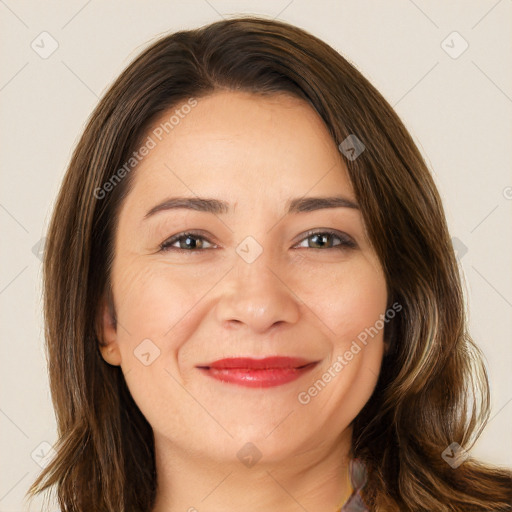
x: 218, y: 207
x: 308, y: 204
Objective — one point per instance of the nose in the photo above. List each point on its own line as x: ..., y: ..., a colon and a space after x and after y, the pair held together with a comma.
x: 256, y: 296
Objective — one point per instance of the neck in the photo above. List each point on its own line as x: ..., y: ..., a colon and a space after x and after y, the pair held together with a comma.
x: 317, y: 479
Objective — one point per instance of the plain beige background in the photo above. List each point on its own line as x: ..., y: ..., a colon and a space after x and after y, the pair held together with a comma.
x: 455, y: 101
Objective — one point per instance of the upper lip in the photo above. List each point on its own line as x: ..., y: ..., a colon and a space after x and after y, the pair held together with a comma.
x: 258, y: 363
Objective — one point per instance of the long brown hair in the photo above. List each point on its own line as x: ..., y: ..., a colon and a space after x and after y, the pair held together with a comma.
x: 433, y: 388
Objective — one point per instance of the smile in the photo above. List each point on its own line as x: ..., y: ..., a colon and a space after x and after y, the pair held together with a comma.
x: 258, y: 373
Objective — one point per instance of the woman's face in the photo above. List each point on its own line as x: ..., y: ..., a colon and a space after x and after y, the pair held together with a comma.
x: 268, y: 272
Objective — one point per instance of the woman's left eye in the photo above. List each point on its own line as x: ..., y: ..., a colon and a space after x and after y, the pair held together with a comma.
x: 325, y: 240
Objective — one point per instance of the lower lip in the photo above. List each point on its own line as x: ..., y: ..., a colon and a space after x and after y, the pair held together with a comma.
x: 258, y: 378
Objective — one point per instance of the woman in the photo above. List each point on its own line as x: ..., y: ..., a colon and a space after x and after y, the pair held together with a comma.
x: 251, y: 297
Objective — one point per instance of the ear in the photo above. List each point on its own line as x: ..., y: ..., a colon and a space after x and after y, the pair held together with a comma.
x: 106, y: 331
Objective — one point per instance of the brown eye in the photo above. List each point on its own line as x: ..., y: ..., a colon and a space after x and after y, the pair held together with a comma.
x: 190, y: 242
x: 328, y: 240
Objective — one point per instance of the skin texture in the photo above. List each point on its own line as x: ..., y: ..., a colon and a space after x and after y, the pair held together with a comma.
x: 303, y: 296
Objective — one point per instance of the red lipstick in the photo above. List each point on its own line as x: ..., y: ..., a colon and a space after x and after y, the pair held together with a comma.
x: 258, y: 373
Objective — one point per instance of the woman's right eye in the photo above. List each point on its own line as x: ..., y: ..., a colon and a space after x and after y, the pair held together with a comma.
x: 187, y: 242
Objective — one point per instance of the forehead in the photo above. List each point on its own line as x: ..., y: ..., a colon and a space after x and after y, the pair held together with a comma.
x: 244, y: 145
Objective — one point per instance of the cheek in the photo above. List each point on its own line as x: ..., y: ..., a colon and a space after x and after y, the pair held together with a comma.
x: 158, y: 310
x: 346, y: 300
x: 151, y: 303
x: 350, y: 303
x: 152, y: 300
x: 143, y: 302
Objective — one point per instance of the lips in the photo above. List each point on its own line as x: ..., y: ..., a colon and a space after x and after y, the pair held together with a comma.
x: 260, y: 373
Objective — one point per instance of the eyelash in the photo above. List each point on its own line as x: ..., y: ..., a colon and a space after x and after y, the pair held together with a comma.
x: 345, y: 241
